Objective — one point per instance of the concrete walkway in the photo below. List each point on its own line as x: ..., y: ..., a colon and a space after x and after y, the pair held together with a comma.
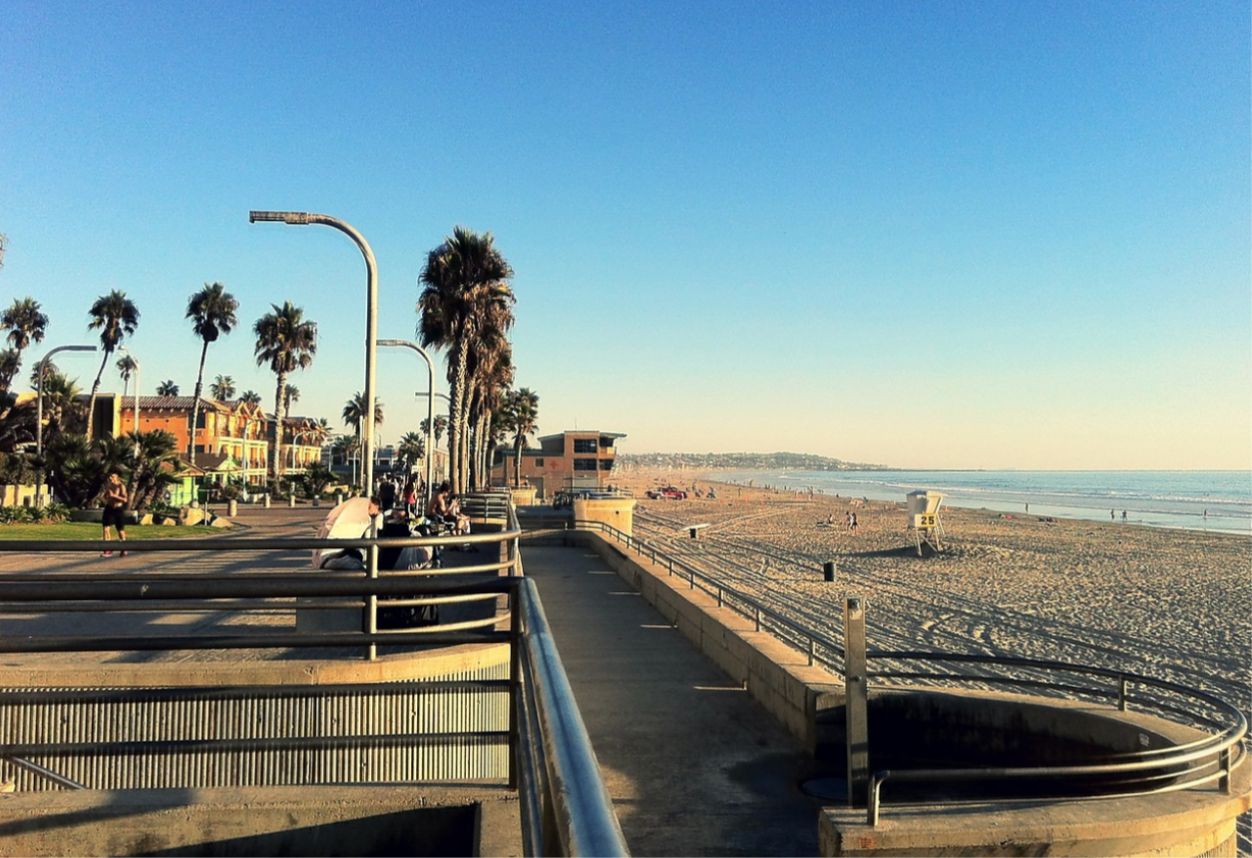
x: 694, y: 765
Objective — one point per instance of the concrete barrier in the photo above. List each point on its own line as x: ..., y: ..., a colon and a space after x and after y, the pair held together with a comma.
x: 617, y: 512
x: 345, y: 820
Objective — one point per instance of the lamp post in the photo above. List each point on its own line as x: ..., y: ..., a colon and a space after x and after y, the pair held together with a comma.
x: 43, y: 366
x: 371, y: 318
x: 430, y: 403
x: 138, y: 378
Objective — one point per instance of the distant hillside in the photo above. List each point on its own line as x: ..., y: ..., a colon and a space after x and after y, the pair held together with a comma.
x: 744, y: 461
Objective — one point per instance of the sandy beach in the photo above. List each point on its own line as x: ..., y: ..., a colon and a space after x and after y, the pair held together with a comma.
x: 1171, y: 604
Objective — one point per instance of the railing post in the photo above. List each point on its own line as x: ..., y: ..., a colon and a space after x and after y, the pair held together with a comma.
x: 757, y: 611
x: 1121, y: 692
x: 1223, y: 782
x: 515, y: 681
x: 371, y: 604
x: 856, y: 699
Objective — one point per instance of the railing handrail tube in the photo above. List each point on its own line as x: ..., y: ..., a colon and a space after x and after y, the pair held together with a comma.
x: 584, y: 810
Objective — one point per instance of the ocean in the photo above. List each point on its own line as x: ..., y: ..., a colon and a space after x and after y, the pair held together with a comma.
x: 1195, y: 500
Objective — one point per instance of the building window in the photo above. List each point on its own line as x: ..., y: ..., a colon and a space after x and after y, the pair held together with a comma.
x: 606, y: 464
x: 584, y: 464
x: 538, y: 463
x: 584, y: 445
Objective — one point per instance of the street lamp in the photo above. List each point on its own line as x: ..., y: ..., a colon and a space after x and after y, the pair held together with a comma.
x: 430, y: 403
x: 43, y: 366
x: 138, y: 378
x: 371, y: 317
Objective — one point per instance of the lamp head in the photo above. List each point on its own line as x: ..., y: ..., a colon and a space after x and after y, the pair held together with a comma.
x: 285, y: 217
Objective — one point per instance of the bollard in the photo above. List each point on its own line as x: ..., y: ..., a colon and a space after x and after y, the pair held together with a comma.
x: 828, y: 570
x: 232, y: 508
x: 317, y: 500
x: 291, y: 501
x: 338, y: 498
x: 856, y: 701
x: 266, y: 496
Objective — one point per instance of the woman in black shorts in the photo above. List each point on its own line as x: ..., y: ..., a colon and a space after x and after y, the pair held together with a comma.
x: 115, y: 498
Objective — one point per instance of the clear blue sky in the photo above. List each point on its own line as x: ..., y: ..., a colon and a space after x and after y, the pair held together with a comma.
x: 982, y: 234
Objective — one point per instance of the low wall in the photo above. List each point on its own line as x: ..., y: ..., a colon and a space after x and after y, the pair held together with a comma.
x: 799, y: 695
x: 615, y: 512
x: 263, y: 821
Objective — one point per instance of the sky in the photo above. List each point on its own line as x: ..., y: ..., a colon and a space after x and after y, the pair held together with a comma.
x: 952, y: 235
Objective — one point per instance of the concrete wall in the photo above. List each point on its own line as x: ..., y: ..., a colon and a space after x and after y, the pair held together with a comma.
x: 617, y: 512
x: 263, y: 821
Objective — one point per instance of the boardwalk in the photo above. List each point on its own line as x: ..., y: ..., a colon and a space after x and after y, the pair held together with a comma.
x: 694, y: 765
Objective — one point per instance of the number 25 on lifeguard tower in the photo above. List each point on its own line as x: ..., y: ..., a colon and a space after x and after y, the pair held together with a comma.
x: 923, y: 511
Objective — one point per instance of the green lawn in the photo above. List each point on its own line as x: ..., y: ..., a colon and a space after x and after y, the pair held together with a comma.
x: 85, y: 530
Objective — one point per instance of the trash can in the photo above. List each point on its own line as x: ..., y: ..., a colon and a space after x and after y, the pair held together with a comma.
x: 828, y: 570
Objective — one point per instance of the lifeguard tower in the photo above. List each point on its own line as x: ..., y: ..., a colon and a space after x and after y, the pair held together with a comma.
x: 923, y: 509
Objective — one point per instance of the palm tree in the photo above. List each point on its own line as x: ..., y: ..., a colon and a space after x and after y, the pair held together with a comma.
x: 354, y: 413
x: 523, y: 411
x: 167, y: 388
x: 466, y: 291
x: 492, y: 376
x: 223, y: 388
x: 411, y: 449
x: 441, y: 426
x: 26, y: 324
x: 126, y: 366
x: 212, y: 313
x: 116, y: 317
x: 293, y: 395
x: 286, y: 342
x: 10, y: 364
x: 251, y: 397
x: 61, y: 398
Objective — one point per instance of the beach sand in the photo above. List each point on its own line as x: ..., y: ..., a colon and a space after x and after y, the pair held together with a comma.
x: 1169, y: 604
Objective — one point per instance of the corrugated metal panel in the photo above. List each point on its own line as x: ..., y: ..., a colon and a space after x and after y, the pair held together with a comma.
x: 417, y: 709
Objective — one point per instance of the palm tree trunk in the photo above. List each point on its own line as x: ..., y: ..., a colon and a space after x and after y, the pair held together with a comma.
x: 467, y: 444
x: 517, y: 461
x: 276, y: 451
x: 456, y: 405
x: 480, y: 452
x: 95, y: 387
x: 195, y: 406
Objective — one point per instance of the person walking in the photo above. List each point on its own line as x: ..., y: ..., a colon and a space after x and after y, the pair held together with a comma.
x: 114, y: 515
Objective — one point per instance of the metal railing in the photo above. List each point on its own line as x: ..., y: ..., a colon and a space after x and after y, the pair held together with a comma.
x: 764, y: 618
x: 1204, y: 761
x: 565, y: 806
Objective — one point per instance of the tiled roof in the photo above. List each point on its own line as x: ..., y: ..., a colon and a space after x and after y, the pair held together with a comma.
x: 174, y: 403
x: 213, y: 461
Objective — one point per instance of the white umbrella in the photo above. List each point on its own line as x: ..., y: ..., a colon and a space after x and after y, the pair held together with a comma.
x: 349, y: 520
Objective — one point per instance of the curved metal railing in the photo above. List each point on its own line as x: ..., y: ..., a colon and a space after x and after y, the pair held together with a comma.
x: 565, y: 806
x: 1203, y: 761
